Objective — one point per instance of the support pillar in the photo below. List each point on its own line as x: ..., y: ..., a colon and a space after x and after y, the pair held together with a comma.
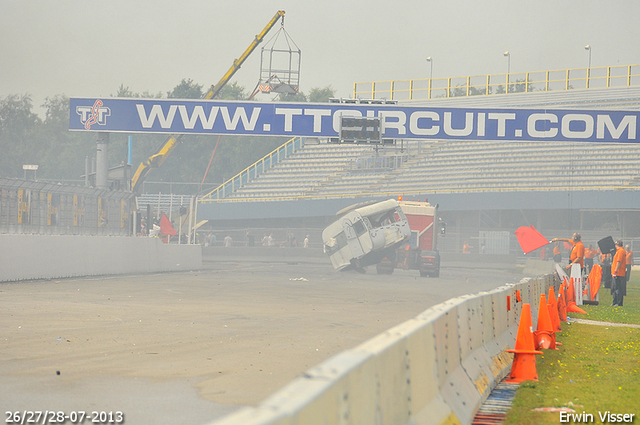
x: 102, y: 161
x: 458, y: 247
x: 87, y: 170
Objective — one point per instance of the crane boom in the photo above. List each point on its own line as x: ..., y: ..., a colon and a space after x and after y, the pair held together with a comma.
x: 155, y: 160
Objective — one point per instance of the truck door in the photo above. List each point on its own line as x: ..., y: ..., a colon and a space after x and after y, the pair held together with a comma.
x: 352, y: 239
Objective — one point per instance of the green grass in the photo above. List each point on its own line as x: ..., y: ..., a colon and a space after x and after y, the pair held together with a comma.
x: 604, y: 312
x: 595, y: 370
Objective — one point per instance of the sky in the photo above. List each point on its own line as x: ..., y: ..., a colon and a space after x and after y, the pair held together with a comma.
x: 88, y: 49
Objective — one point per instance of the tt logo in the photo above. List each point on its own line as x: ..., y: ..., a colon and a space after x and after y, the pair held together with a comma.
x: 96, y: 114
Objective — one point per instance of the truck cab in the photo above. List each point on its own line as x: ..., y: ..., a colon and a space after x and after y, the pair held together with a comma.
x: 420, y: 251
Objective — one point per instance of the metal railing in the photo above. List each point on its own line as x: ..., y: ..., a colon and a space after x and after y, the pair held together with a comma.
x: 33, y: 207
x: 539, y: 81
x: 159, y: 203
x: 254, y: 170
x: 410, y: 194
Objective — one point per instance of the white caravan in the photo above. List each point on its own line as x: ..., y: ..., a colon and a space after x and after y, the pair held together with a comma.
x: 364, y: 234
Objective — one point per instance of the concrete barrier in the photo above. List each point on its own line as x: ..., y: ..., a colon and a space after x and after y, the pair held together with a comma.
x: 24, y: 257
x: 437, y: 368
x: 538, y: 267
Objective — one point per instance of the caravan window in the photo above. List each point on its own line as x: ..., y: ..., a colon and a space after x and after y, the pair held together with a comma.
x: 359, y: 227
x: 336, y: 244
x: 387, y: 217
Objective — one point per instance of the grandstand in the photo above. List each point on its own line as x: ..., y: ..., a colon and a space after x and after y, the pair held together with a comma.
x: 480, y: 185
x: 319, y: 169
x: 327, y: 170
x: 309, y: 168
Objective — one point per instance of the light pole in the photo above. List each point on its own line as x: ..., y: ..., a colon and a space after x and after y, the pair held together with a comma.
x: 508, y: 55
x: 588, y: 47
x: 430, y: 60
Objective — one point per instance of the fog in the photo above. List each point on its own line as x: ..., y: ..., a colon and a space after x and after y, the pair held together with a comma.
x: 79, y: 48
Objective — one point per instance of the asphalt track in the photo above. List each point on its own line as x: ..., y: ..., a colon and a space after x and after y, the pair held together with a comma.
x: 190, y: 347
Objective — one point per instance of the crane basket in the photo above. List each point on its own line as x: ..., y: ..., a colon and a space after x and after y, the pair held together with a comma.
x: 280, y: 64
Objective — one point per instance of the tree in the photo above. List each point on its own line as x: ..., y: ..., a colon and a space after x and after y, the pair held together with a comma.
x: 18, y: 134
x: 292, y: 97
x: 232, y: 91
x: 458, y: 91
x: 187, y: 89
x: 125, y: 92
x: 321, y: 95
x: 63, y: 151
x: 521, y: 86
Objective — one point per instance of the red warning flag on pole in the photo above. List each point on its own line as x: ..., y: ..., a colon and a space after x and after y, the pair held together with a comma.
x: 530, y: 239
x: 166, y: 229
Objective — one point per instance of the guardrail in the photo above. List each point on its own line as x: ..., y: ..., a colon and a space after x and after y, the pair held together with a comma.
x: 492, y: 84
x: 409, y: 194
x: 434, y: 369
x: 255, y: 169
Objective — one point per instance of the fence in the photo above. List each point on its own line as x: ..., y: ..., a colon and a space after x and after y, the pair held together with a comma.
x: 32, y: 207
x: 526, y: 82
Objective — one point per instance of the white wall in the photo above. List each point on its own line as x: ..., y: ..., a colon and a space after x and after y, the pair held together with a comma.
x: 57, y: 256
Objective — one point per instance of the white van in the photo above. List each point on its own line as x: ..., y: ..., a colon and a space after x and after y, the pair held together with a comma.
x: 364, y: 234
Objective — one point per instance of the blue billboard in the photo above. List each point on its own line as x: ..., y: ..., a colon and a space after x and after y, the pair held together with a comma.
x: 175, y: 116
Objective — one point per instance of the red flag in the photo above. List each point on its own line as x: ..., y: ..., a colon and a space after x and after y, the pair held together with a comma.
x: 166, y: 228
x: 530, y: 239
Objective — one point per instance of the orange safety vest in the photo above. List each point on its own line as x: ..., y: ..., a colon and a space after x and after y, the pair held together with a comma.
x: 619, y: 265
x: 578, y: 253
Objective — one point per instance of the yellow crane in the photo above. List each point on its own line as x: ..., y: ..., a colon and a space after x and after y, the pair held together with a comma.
x: 155, y: 160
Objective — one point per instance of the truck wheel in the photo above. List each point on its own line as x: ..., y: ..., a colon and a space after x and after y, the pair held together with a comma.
x: 357, y: 266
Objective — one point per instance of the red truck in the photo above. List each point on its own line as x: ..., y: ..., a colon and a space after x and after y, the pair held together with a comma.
x: 421, y: 251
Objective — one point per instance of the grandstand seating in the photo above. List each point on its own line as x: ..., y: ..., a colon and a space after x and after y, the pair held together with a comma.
x: 322, y: 170
x: 303, y: 171
x: 329, y: 170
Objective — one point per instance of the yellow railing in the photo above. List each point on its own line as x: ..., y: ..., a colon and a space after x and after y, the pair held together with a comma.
x: 539, y: 81
x: 407, y: 195
x: 254, y: 170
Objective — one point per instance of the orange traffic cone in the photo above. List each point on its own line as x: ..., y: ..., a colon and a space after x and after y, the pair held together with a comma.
x: 545, y: 336
x: 572, y: 307
x: 524, y: 360
x: 553, y: 311
x: 562, y: 306
x: 571, y: 293
x: 555, y: 322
